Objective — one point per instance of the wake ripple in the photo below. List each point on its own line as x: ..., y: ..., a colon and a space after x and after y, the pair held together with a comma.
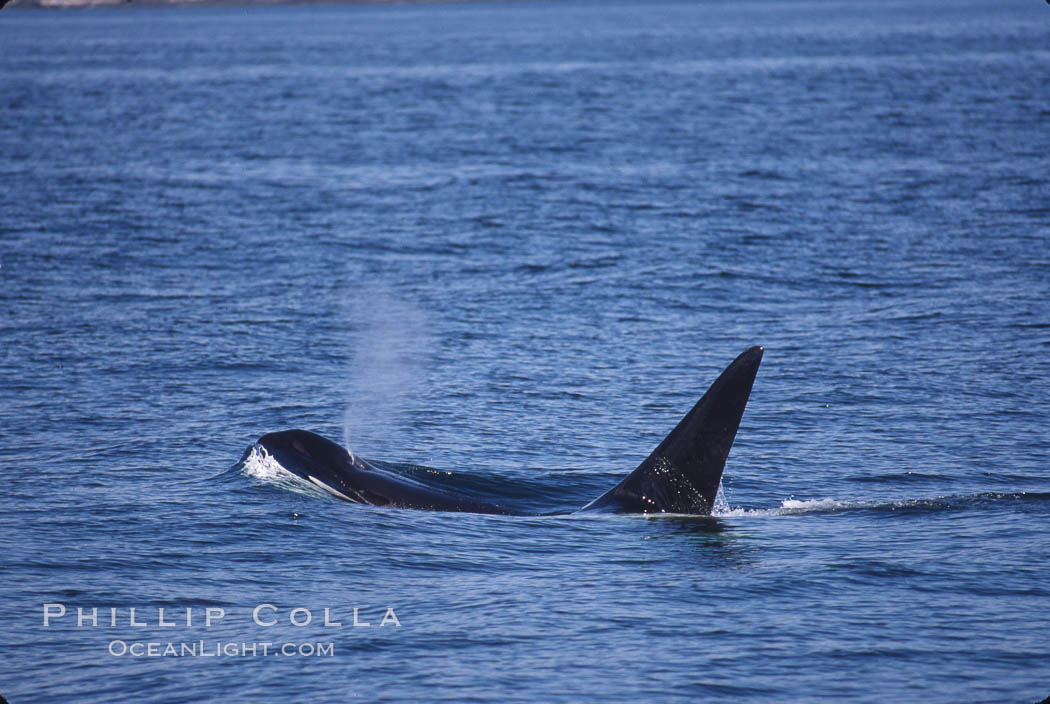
x: 792, y: 507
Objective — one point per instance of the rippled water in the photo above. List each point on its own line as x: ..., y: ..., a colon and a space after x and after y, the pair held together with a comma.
x: 516, y: 242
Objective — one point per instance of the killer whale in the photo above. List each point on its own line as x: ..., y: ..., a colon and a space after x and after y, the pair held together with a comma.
x: 681, y: 475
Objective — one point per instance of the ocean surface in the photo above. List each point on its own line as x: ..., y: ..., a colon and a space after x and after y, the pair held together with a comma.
x: 515, y: 242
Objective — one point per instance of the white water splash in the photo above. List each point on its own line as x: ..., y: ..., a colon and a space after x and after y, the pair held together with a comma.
x: 260, y: 464
x: 788, y: 507
x: 263, y: 467
x: 721, y: 505
x: 805, y: 506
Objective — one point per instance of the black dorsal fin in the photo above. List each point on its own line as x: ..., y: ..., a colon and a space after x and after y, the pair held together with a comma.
x: 683, y: 472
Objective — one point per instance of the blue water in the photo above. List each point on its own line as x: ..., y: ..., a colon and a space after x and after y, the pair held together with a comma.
x: 516, y: 242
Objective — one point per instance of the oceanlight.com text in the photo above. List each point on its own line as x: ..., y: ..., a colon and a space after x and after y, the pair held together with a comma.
x: 218, y: 649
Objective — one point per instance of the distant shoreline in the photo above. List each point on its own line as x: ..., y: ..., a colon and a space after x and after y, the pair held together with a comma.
x: 110, y: 4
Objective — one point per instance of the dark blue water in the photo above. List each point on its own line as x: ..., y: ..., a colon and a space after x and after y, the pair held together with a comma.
x: 516, y: 242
